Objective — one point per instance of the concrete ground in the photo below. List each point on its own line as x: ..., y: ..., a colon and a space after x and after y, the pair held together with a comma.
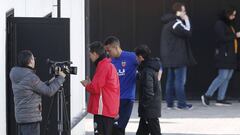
x: 201, y: 120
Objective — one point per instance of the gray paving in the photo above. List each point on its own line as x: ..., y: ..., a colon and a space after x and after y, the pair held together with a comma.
x: 201, y: 120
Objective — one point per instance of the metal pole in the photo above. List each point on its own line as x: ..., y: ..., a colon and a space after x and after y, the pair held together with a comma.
x: 58, y: 8
x: 60, y: 110
x: 61, y: 101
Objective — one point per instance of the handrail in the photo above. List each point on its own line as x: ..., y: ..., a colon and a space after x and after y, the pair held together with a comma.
x: 75, y: 120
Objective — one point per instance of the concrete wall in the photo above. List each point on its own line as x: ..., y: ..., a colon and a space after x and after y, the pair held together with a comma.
x: 73, y: 9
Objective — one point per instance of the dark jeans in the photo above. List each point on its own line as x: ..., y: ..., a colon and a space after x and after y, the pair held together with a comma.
x: 176, y: 79
x: 125, y: 110
x: 103, y: 125
x: 149, y: 126
x: 29, y: 129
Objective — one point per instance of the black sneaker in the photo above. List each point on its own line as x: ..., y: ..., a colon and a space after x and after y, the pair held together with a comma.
x: 170, y: 107
x: 223, y: 103
x: 186, y: 107
x: 205, y: 100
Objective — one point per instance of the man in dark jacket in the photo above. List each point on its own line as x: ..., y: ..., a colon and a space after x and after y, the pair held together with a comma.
x: 176, y: 54
x: 27, y: 89
x: 149, y: 109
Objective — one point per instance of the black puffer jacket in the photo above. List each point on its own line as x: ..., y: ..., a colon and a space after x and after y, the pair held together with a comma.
x: 149, y: 90
x: 224, y: 54
x: 175, y: 48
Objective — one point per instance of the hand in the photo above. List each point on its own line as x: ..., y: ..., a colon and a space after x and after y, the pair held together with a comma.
x: 159, y: 75
x: 86, y: 82
x: 238, y: 34
x: 61, y: 73
x: 185, y: 17
x: 116, y: 117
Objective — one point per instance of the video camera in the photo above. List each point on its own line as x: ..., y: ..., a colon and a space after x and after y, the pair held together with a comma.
x: 61, y: 66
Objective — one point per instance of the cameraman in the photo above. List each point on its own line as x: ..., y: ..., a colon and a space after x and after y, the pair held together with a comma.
x: 27, y: 89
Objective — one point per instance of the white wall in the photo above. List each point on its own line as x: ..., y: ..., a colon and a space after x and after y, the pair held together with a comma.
x: 77, y: 48
x: 2, y: 71
x: 73, y: 9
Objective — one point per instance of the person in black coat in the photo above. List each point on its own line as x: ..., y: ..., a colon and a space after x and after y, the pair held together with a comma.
x: 225, y: 55
x: 176, y: 54
x: 238, y: 54
x: 149, y: 109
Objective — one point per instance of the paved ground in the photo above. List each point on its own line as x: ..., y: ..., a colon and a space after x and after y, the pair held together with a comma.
x: 201, y: 120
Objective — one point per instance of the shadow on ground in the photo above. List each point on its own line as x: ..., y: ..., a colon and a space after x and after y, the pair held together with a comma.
x: 131, y: 133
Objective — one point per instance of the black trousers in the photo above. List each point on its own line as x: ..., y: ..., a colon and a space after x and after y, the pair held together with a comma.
x: 118, y: 131
x: 125, y: 110
x: 103, y: 125
x: 29, y: 129
x: 149, y: 126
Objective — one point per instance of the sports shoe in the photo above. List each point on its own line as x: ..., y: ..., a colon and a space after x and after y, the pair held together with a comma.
x: 223, y: 103
x: 186, y: 107
x: 205, y: 100
x: 170, y: 107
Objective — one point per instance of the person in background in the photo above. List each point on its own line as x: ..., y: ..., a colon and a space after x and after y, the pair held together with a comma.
x: 149, y: 109
x: 237, y: 22
x: 27, y: 90
x: 225, y: 55
x: 104, y: 91
x: 126, y: 65
x: 176, y: 54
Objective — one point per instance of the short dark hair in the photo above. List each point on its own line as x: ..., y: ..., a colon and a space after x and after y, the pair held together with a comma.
x: 24, y: 58
x: 177, y: 7
x: 97, y: 47
x: 143, y: 50
x: 110, y: 40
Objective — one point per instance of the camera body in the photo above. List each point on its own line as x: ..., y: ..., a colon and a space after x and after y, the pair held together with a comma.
x: 64, y: 66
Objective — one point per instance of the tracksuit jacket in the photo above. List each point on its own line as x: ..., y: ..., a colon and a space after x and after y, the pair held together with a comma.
x: 104, y: 90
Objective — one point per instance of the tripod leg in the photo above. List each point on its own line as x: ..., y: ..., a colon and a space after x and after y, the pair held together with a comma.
x: 66, y: 116
x: 48, y: 115
x: 62, y: 114
x: 60, y: 111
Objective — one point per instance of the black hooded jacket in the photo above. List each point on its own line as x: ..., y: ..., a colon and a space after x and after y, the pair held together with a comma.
x: 225, y: 55
x: 175, y: 50
x: 149, y: 90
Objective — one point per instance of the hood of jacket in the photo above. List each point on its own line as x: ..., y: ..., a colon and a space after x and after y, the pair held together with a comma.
x: 153, y: 63
x: 101, y: 57
x: 168, y: 17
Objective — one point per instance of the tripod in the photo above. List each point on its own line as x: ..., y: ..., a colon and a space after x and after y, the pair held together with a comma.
x: 60, y: 100
x: 62, y: 113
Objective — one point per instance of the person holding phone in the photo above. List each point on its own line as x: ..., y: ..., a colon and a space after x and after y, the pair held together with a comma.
x: 104, y: 90
x: 176, y: 55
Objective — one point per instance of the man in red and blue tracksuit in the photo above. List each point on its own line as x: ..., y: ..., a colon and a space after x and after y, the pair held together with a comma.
x: 126, y: 65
